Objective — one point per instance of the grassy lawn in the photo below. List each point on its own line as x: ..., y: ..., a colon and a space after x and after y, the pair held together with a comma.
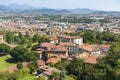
x: 29, y: 77
x: 4, y: 64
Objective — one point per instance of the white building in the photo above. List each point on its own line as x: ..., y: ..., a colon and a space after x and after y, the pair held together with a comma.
x: 75, y: 39
x: 78, y: 41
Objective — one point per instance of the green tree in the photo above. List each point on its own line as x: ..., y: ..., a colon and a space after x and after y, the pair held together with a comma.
x: 113, y: 56
x: 89, y: 37
x: 36, y: 38
x: 28, y: 36
x: 43, y: 39
x: 17, y: 40
x: 41, y: 78
x: 20, y: 35
x: 117, y: 71
x: 99, y: 37
x: 88, y: 73
x: 69, y: 78
x: 4, y: 49
x: 19, y: 65
x: 33, y: 66
x: 18, y: 53
x: 55, y: 75
x: 109, y: 75
x: 34, y: 47
x: 76, y: 67
x: 62, y: 75
x: 61, y: 65
x: 9, y: 37
x: 31, y: 56
x: 29, y: 45
x: 13, y: 76
x: 24, y: 40
x: 4, y: 75
x: 100, y: 69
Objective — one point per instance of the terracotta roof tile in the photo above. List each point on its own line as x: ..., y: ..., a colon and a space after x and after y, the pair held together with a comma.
x: 88, y: 58
x: 67, y: 44
x: 51, y: 39
x: 53, y: 47
x: 105, y: 46
x: 89, y: 47
x: 69, y: 37
x: 53, y: 60
x: 48, y: 70
x: 41, y: 62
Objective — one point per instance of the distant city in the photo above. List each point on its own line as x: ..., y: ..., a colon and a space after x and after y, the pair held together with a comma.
x: 59, y: 44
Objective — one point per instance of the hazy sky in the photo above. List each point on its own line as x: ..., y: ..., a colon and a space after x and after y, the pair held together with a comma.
x: 92, y: 4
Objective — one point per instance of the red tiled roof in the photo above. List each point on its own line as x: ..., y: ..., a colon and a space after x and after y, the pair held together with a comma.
x: 105, y: 46
x: 67, y: 44
x: 89, y: 47
x: 48, y: 45
x: 88, y: 58
x: 69, y: 37
x: 91, y: 59
x: 53, y: 60
x: 48, y: 70
x: 39, y: 50
x: 51, y: 39
x: 41, y: 62
x: 58, y: 48
x: 53, y: 47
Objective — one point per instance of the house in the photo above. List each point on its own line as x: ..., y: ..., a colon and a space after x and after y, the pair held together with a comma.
x: 52, y: 50
x: 39, y: 52
x: 47, y: 70
x: 53, y: 40
x: 88, y: 58
x: 72, y: 48
x: 54, y: 60
x: 91, y: 49
x: 41, y: 48
x: 58, y: 51
x: 104, y: 47
x: 53, y: 31
x: 75, y: 39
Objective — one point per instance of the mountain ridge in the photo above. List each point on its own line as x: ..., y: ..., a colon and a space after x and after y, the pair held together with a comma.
x: 23, y: 8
